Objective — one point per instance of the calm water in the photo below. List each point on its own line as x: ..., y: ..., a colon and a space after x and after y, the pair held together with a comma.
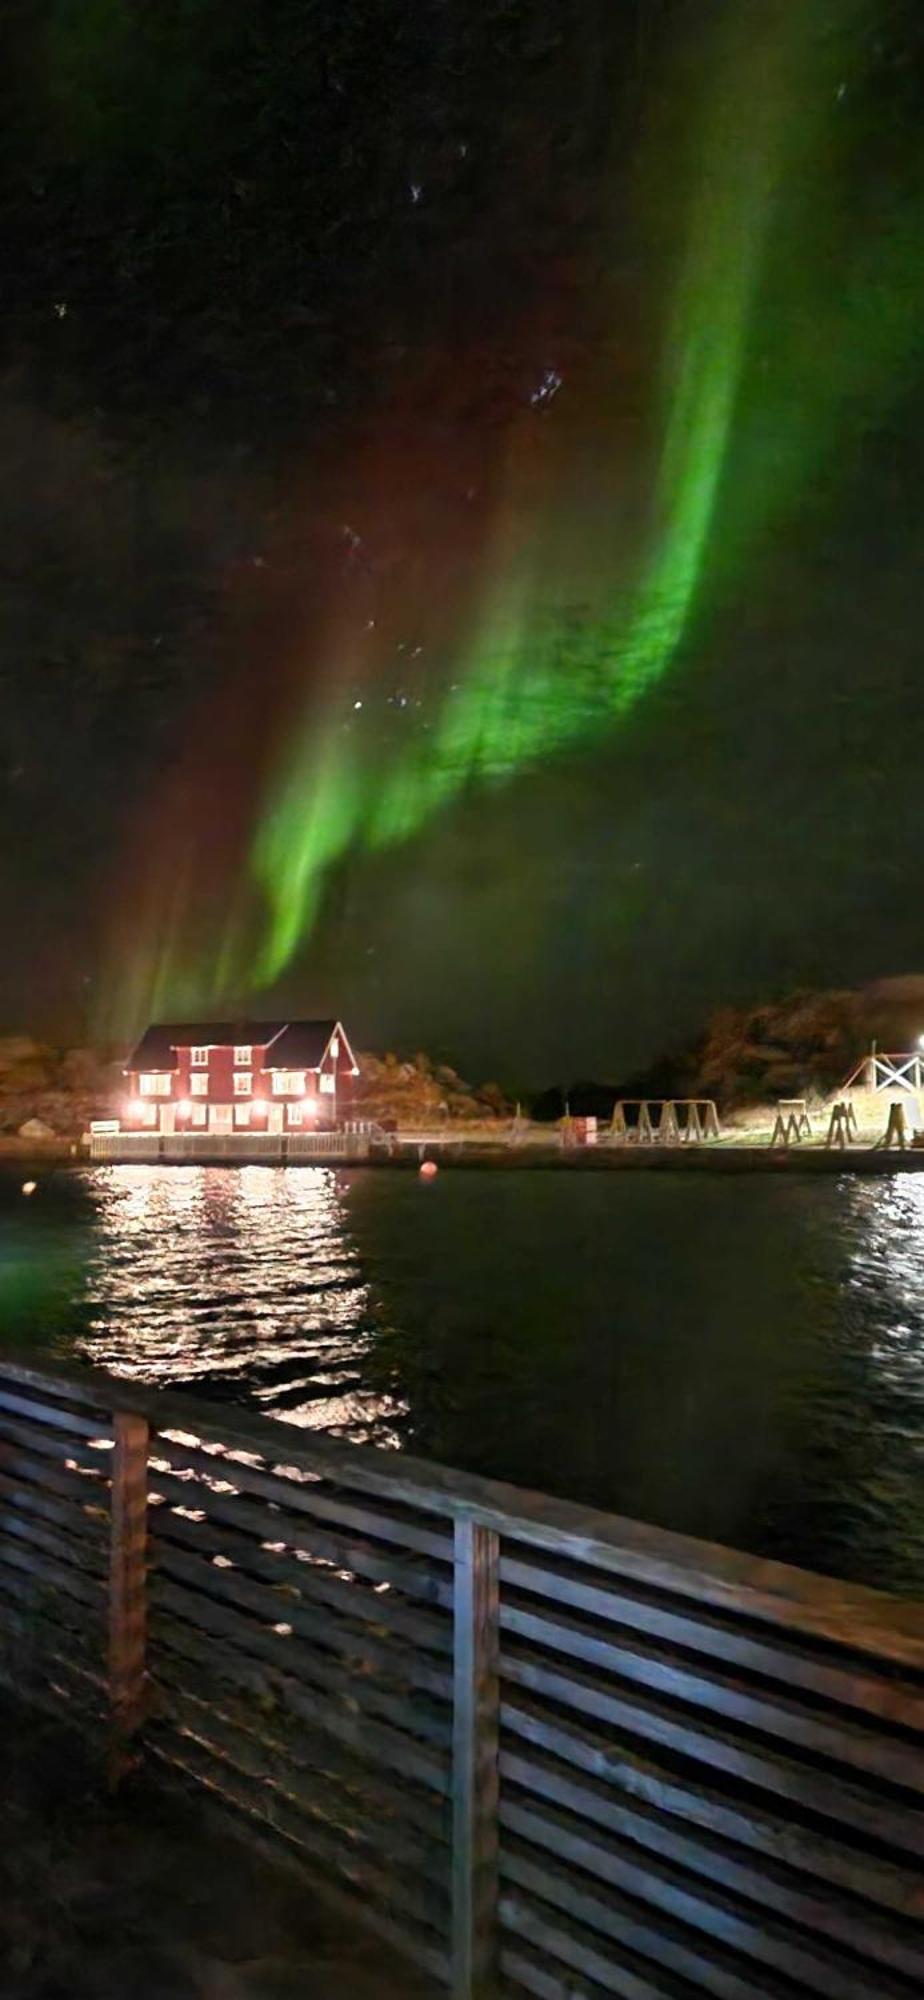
x: 739, y: 1359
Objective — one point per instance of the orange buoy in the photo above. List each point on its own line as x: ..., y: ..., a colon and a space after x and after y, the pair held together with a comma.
x: 428, y: 1170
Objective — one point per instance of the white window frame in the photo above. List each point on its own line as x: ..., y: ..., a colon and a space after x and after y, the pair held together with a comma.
x: 198, y: 1084
x: 295, y: 1113
x: 334, y: 1049
x: 327, y: 1083
x: 243, y: 1083
x: 154, y: 1083
x: 288, y: 1083
x: 199, y: 1058
x: 199, y: 1114
x: 243, y: 1056
x: 241, y: 1116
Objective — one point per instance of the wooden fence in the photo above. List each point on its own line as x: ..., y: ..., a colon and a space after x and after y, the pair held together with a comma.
x: 545, y: 1751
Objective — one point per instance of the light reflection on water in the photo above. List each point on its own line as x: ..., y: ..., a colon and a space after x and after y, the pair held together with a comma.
x: 738, y: 1359
x: 239, y: 1281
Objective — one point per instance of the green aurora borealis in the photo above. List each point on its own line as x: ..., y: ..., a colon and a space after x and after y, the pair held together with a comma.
x: 786, y: 298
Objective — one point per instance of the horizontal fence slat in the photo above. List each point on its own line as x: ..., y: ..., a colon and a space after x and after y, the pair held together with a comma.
x: 60, y: 1446
x: 603, y: 1777
x: 306, y: 1495
x: 56, y: 1415
x: 255, y: 1527
x: 401, y: 1897
x: 339, y: 1805
x: 278, y: 1581
x: 694, y: 1739
x: 268, y: 1845
x: 837, y: 1737
x: 847, y: 1682
x: 867, y: 1621
x: 686, y: 1898
x: 311, y: 1755
x: 622, y: 1923
x: 87, y: 1558
x: 87, y: 1489
x: 711, y: 1768
x: 372, y: 1650
x: 371, y: 1738
x: 87, y: 1527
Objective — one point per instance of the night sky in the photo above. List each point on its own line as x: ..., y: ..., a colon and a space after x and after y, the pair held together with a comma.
x: 461, y: 474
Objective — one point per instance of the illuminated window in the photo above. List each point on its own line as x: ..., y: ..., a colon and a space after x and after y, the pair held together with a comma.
x: 243, y: 1057
x: 199, y: 1114
x: 334, y: 1047
x: 241, y: 1112
x: 243, y: 1082
x: 157, y: 1085
x: 288, y: 1082
x: 326, y: 1083
x: 295, y: 1114
x: 199, y: 1058
x: 149, y: 1115
x: 198, y: 1086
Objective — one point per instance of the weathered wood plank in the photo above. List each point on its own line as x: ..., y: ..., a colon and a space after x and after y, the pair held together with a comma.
x: 58, y: 1576
x: 851, y: 1685
x: 290, y: 1745
x: 383, y: 1610
x: 127, y: 1588
x: 254, y: 1526
x: 271, y: 1847
x: 82, y: 1487
x: 821, y: 1732
x: 317, y: 1499
x: 863, y: 1621
x: 349, y: 1679
x: 567, y: 1964
x: 814, y: 1966
x: 524, y: 1970
x: 394, y: 1890
x: 476, y: 1699
x: 54, y: 1414
x: 88, y: 1557
x: 315, y: 1635
x: 599, y: 1776
x: 369, y: 1738
x: 802, y: 1784
x: 625, y: 1925
x: 78, y: 1519
x: 373, y: 1648
x: 59, y: 1447
x: 342, y: 1807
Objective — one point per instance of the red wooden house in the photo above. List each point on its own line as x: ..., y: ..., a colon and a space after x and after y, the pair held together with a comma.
x: 239, y: 1076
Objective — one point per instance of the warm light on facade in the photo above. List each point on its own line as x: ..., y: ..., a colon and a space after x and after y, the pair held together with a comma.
x: 184, y: 1108
x: 258, y: 1107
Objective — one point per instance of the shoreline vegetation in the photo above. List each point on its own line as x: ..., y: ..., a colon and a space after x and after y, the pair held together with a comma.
x: 746, y: 1061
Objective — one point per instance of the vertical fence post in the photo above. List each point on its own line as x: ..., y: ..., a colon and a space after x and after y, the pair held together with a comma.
x: 127, y: 1588
x: 475, y: 1729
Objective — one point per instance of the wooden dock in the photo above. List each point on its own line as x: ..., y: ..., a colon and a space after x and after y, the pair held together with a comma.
x: 544, y: 1751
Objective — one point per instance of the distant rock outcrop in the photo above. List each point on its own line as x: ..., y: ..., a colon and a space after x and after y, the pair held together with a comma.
x: 422, y: 1093
x: 806, y: 1044
x: 47, y: 1092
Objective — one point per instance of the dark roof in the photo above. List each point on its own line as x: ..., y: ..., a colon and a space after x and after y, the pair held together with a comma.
x: 295, y: 1044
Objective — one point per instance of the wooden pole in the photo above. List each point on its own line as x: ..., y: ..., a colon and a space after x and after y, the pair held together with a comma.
x: 476, y: 1707
x: 127, y: 1589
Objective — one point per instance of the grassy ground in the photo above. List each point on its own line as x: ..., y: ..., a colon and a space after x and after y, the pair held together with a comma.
x: 139, y: 1899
